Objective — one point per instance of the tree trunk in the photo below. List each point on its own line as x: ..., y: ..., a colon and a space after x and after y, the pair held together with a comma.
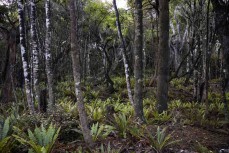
x: 35, y: 53
x: 225, y: 82
x: 206, y: 61
x: 48, y: 57
x: 163, y: 56
x: 222, y: 26
x: 76, y: 73
x: 7, y: 90
x: 138, y: 65
x: 25, y: 57
x: 124, y: 56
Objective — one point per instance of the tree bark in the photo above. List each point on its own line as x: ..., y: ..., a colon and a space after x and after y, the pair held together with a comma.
x: 76, y: 73
x: 163, y: 56
x: 25, y: 57
x: 35, y: 53
x: 138, y: 65
x: 48, y: 61
x: 221, y: 10
x: 7, y: 89
x: 225, y: 79
x: 206, y: 61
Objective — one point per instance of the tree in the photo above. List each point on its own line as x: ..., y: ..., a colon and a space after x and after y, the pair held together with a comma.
x: 163, y: 56
x: 221, y: 9
x: 77, y: 76
x: 138, y: 65
x: 206, y: 60
x: 34, y: 47
x: 124, y: 56
x: 25, y: 57
x: 9, y: 52
x: 48, y: 57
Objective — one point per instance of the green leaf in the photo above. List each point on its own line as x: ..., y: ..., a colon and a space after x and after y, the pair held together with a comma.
x: 38, y: 135
x: 41, y: 140
x: 31, y: 135
x: 3, y: 143
x: 6, y: 127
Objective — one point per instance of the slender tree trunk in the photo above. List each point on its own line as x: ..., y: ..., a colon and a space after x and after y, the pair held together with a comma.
x: 25, y: 57
x: 48, y: 57
x: 206, y: 61
x: 154, y: 76
x: 225, y: 79
x: 88, y: 62
x: 35, y: 52
x: 76, y: 73
x: 138, y: 65
x: 163, y: 56
x: 124, y: 56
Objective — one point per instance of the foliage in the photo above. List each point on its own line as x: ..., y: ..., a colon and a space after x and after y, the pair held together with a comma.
x: 161, y: 140
x: 96, y: 110
x: 126, y: 109
x: 100, y: 13
x: 137, y: 131
x: 121, y: 122
x: 161, y: 117
x: 69, y: 107
x: 178, y: 82
x: 100, y: 131
x: 5, y: 138
x: 192, y: 113
x: 227, y: 95
x: 65, y: 89
x: 202, y: 149
x: 41, y: 140
x: 108, y: 149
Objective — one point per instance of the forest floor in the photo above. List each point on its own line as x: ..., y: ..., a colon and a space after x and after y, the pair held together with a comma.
x: 192, y: 137
x: 184, y: 128
x: 188, y: 137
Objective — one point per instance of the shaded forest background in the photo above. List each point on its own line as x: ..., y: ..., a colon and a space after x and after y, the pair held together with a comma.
x: 153, y: 76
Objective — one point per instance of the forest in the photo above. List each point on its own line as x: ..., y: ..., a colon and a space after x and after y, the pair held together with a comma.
x: 95, y: 76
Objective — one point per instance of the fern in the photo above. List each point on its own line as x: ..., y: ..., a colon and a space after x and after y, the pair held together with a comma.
x: 100, y: 131
x: 5, y: 140
x: 5, y: 129
x: 160, y: 141
x: 121, y: 122
x: 41, y: 140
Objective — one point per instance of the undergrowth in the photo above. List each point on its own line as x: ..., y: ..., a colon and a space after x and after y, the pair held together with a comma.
x: 110, y: 118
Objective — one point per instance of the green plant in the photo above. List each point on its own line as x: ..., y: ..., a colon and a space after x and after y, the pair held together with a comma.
x: 69, y: 107
x: 100, y: 131
x: 137, y: 131
x: 119, y: 82
x: 202, y: 149
x: 175, y: 104
x: 121, y: 124
x: 126, y: 109
x: 147, y: 113
x: 107, y: 149
x: 41, y: 140
x: 66, y: 89
x: 95, y: 113
x: 227, y: 95
x: 161, y: 140
x: 95, y: 94
x: 161, y: 117
x: 5, y: 139
x: 178, y: 82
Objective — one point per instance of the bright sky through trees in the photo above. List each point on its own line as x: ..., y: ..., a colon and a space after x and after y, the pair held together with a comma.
x: 120, y: 3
